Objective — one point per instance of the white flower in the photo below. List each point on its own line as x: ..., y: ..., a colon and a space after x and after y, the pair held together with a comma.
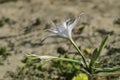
x: 64, y: 29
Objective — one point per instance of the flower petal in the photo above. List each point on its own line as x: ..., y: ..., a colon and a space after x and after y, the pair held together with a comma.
x: 53, y: 30
x: 71, y: 26
x: 65, y: 23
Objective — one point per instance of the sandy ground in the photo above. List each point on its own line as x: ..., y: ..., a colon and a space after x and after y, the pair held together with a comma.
x: 30, y: 18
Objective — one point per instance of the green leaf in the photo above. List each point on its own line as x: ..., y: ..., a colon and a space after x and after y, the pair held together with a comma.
x: 93, y: 57
x: 93, y: 60
x: 102, y: 46
x: 96, y: 52
x: 54, y: 58
x: 97, y: 70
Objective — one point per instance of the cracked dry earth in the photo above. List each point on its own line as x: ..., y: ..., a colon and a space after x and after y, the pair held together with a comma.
x: 28, y: 20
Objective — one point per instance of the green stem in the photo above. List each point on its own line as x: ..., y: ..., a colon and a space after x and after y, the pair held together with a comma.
x: 67, y: 59
x: 79, y: 51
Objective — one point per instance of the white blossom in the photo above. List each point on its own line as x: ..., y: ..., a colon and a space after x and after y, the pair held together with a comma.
x: 64, y: 29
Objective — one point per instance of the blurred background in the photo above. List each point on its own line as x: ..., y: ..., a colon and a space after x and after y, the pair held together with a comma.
x: 23, y: 24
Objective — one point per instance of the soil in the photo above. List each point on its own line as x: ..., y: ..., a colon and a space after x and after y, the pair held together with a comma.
x: 27, y: 21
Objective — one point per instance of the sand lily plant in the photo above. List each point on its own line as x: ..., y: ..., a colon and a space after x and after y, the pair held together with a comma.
x: 64, y: 30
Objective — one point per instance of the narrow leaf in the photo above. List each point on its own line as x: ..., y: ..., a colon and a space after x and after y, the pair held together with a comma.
x: 93, y: 57
x: 54, y: 58
x: 102, y: 46
x: 97, y: 52
x: 97, y: 70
